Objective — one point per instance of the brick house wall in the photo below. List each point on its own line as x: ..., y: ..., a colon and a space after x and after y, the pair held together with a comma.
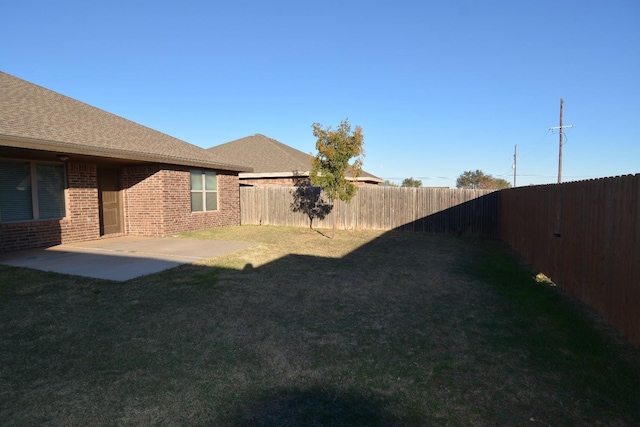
x: 83, y: 217
x: 143, y: 209
x: 81, y: 221
x: 178, y: 215
x: 157, y: 201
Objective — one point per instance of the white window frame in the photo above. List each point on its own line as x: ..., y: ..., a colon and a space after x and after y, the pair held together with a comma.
x: 33, y: 175
x: 205, y: 193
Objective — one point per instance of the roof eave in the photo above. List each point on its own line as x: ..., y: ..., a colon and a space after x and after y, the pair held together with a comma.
x: 251, y: 175
x: 365, y: 179
x: 71, y: 148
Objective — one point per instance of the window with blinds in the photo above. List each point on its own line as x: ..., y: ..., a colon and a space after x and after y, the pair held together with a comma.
x: 30, y: 191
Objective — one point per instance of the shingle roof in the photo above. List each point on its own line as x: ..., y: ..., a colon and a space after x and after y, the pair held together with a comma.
x: 263, y: 154
x: 268, y: 156
x: 38, y: 118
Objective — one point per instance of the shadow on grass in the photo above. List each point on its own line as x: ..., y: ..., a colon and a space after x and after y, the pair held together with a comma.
x: 563, y: 334
x: 391, y: 333
x: 313, y: 407
x: 321, y: 233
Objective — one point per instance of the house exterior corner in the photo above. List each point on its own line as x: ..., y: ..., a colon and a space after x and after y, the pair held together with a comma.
x: 167, y: 189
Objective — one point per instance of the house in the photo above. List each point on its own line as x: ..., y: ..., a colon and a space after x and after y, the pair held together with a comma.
x: 273, y: 163
x: 71, y: 172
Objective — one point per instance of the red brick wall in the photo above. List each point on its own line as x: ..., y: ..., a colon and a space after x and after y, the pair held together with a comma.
x: 142, y: 194
x: 81, y: 221
x: 83, y: 218
x: 158, y: 202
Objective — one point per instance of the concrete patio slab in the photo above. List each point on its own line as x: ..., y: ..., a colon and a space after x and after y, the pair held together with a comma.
x: 120, y: 258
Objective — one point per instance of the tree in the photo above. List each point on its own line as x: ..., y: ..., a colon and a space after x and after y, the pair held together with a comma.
x: 410, y: 182
x: 501, y: 184
x: 388, y: 183
x: 481, y: 181
x: 328, y: 168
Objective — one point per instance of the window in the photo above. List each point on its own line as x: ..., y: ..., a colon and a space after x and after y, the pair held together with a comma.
x: 30, y: 190
x: 204, y: 191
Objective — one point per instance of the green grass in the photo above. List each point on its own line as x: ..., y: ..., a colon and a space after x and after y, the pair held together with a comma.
x: 563, y: 337
x: 369, y: 328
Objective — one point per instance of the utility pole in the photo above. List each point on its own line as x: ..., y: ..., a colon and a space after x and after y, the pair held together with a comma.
x: 560, y: 147
x: 515, y: 163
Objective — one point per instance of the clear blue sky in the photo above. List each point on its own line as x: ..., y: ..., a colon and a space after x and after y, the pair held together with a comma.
x: 439, y: 87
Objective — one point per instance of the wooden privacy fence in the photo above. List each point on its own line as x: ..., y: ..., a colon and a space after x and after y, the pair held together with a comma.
x: 585, y: 236
x: 435, y: 210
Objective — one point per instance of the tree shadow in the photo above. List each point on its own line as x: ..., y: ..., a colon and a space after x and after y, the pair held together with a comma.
x: 309, y: 200
x: 321, y: 233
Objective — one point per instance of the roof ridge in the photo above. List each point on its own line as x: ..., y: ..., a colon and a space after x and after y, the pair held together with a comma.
x: 259, y: 151
x: 286, y: 149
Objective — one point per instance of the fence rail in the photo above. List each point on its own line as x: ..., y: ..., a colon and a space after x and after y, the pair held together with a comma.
x: 585, y: 236
x: 436, y: 210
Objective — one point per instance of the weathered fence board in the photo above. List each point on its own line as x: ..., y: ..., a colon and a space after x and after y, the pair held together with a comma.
x: 433, y: 210
x: 585, y: 236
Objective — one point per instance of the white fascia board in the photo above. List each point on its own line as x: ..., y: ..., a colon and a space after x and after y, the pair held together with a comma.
x: 248, y: 175
x: 254, y: 175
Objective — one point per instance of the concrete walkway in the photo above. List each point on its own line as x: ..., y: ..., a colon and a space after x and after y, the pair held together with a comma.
x: 120, y: 258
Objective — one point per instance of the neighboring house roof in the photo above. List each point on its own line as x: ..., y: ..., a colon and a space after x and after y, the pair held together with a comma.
x: 270, y: 158
x: 33, y: 117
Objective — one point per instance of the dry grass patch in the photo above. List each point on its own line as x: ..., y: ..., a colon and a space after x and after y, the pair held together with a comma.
x: 369, y: 328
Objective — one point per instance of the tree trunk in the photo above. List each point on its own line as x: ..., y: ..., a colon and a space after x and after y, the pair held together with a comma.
x: 335, y: 214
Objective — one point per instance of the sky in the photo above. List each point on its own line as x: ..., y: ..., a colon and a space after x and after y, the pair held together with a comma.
x: 438, y: 87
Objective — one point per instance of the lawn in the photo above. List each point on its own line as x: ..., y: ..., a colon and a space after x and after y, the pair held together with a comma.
x: 369, y: 328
